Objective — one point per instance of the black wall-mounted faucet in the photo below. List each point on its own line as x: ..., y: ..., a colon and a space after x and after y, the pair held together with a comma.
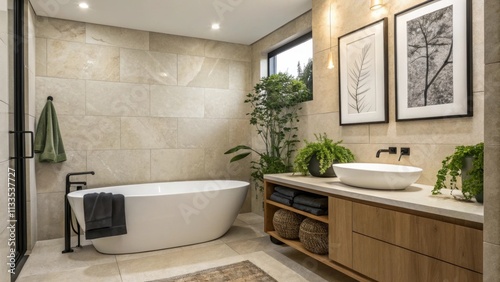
x: 405, y: 151
x: 391, y: 150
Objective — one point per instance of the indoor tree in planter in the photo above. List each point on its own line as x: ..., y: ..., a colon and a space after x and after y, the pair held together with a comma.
x: 459, y: 164
x: 274, y: 103
x: 317, y: 157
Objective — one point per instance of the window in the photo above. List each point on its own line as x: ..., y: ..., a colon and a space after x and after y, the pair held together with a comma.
x: 294, y: 58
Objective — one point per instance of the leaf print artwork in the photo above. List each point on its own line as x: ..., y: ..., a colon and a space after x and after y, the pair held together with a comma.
x: 361, y: 71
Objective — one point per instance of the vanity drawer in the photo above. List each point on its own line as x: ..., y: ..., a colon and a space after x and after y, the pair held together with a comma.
x: 385, y: 262
x: 456, y: 244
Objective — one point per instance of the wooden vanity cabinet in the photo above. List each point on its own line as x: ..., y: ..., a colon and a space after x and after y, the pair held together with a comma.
x: 374, y: 242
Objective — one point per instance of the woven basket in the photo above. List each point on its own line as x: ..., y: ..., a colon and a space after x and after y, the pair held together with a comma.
x: 313, y: 235
x: 287, y: 223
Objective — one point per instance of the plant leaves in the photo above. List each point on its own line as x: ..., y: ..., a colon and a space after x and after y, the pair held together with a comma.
x: 239, y: 157
x: 236, y: 149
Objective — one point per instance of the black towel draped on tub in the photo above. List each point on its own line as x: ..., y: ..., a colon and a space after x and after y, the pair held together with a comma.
x: 104, y: 215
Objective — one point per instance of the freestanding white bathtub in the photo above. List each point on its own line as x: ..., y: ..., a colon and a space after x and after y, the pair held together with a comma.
x: 169, y: 214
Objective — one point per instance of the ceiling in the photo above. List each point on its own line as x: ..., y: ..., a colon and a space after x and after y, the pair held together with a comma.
x: 241, y: 21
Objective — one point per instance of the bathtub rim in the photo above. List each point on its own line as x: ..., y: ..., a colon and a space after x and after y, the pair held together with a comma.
x: 81, y: 193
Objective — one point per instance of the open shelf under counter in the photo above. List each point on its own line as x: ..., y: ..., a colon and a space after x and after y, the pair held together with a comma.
x: 322, y: 218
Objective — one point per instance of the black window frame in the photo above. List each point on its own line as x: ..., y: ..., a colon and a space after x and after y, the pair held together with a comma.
x: 271, y: 56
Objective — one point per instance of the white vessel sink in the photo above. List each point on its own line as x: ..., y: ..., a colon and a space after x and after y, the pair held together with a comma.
x: 377, y: 176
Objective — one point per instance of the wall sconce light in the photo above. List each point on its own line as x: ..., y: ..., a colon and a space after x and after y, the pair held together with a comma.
x: 376, y: 4
x: 330, y: 61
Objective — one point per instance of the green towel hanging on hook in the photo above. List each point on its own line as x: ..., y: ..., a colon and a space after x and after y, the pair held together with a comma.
x: 48, y: 141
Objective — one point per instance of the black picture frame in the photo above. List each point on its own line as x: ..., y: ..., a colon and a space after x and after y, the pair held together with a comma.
x: 363, y: 83
x: 433, y: 60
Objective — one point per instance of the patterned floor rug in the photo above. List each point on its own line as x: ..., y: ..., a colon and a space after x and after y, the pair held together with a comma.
x: 237, y: 272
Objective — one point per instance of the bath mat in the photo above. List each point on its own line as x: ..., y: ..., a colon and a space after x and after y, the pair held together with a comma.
x: 240, y: 272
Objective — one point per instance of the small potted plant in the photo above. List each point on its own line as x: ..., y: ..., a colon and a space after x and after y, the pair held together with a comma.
x: 466, y: 162
x: 317, y: 157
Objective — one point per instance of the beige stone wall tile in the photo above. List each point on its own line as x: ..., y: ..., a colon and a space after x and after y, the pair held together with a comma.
x: 492, y: 104
x: 50, y: 177
x: 239, y: 132
x: 240, y: 75
x: 491, y: 31
x: 84, y: 61
x: 321, y: 19
x: 148, y: 132
x: 318, y: 124
x: 478, y: 45
x: 177, y: 164
x: 202, y: 133
x: 50, y: 215
x: 176, y: 44
x: 203, y: 72
x: 117, y: 99
x: 116, y: 36
x: 139, y: 66
x: 118, y: 167
x: 355, y: 134
x: 175, y: 101
x: 217, y: 165
x: 229, y: 51
x: 4, y: 132
x: 491, y: 266
x: 220, y: 103
x: 90, y: 132
x: 468, y: 130
x: 491, y: 194
x: 60, y: 29
x: 68, y: 94
x: 41, y: 56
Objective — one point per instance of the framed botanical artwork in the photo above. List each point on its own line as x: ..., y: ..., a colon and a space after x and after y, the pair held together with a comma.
x: 433, y: 60
x: 363, y: 75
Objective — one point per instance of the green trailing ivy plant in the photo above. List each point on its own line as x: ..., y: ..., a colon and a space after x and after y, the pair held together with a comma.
x: 452, y: 166
x: 274, y: 105
x: 327, y: 152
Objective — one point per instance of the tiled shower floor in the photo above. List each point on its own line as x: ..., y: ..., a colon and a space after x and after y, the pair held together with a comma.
x: 245, y: 240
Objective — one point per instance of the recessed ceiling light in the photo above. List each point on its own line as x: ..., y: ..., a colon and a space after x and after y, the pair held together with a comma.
x: 215, y: 26
x: 83, y: 5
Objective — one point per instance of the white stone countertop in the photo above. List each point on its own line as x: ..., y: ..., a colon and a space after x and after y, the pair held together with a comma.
x: 416, y: 197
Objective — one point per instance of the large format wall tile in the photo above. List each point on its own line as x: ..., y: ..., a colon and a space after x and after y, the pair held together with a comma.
x: 240, y: 132
x: 491, y: 31
x: 148, y: 67
x: 230, y: 51
x: 68, y: 94
x: 148, y: 132
x: 51, y: 177
x: 115, y: 36
x: 90, y: 132
x: 83, y: 61
x: 221, y: 103
x: 175, y: 101
x: 41, y: 56
x: 492, y: 104
x: 478, y: 45
x: 217, y: 165
x: 117, y: 99
x: 491, y: 194
x: 491, y: 258
x: 50, y: 220
x: 177, y: 164
x: 176, y: 44
x: 203, y: 72
x: 60, y: 29
x: 240, y: 74
x: 202, y: 133
x: 116, y: 167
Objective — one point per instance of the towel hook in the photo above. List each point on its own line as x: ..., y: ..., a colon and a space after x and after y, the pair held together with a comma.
x: 50, y: 98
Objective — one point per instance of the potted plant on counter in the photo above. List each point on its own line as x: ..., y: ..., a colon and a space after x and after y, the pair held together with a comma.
x: 466, y: 162
x: 317, y: 157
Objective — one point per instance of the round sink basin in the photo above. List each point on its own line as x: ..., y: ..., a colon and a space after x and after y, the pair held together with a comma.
x: 377, y: 176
